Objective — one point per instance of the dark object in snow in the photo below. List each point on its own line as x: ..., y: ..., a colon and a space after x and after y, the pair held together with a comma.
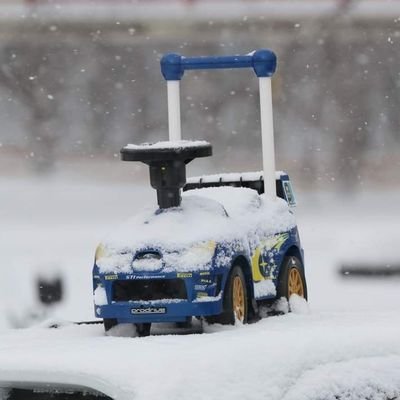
x: 50, y: 291
x: 167, y: 167
x: 49, y: 393
x: 62, y: 324
x: 373, y: 271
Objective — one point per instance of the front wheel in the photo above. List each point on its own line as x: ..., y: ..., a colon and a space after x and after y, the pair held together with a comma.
x: 143, y: 329
x: 292, y: 279
x: 235, y: 300
x: 109, y: 323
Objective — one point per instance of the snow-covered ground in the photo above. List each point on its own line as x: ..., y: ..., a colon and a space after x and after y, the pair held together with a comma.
x: 318, y: 355
x: 346, y: 344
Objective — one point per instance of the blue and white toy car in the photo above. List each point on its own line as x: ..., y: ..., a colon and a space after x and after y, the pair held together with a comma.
x: 218, y: 250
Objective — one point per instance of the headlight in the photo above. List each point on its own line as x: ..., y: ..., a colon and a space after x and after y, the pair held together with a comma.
x: 194, y: 257
x: 109, y: 259
x: 100, y: 252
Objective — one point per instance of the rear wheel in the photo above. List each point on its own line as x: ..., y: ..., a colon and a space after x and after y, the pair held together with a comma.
x: 292, y: 279
x: 235, y: 301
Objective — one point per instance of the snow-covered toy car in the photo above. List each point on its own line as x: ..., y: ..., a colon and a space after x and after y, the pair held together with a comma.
x: 218, y: 249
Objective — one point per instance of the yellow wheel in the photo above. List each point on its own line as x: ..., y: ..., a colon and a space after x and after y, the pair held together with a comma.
x: 291, y: 279
x: 235, y: 301
x: 238, y: 300
x: 295, y: 283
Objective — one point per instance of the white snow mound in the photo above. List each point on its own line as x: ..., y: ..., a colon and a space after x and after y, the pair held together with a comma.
x: 298, y: 305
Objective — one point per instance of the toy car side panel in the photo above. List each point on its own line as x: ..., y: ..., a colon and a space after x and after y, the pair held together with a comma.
x: 267, y: 259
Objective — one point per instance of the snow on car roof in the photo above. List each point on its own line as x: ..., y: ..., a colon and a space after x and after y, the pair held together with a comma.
x: 232, y: 177
x: 298, y: 356
x: 201, y: 217
x: 236, y: 201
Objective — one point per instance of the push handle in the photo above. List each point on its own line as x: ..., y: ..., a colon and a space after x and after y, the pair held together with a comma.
x: 262, y: 61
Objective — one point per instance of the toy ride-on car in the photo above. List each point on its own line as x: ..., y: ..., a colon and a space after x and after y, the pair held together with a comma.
x: 217, y: 248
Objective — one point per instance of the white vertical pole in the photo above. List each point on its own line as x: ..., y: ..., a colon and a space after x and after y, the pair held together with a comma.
x: 174, y: 110
x: 267, y: 136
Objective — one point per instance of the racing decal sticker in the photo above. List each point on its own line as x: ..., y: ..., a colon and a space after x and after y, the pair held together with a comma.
x: 111, y: 277
x: 134, y: 277
x: 148, y: 310
x: 200, y: 287
x: 262, y: 267
x: 184, y: 275
x: 255, y: 265
x: 280, y: 240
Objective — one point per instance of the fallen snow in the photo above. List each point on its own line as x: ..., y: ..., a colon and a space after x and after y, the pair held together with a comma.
x: 149, y: 265
x: 207, y: 298
x: 295, y: 356
x: 100, y: 296
x: 281, y: 305
x: 240, y: 203
x: 298, y: 305
x: 375, y: 378
x: 193, y: 258
x: 264, y: 288
x: 170, y: 144
x: 119, y: 259
x: 232, y: 177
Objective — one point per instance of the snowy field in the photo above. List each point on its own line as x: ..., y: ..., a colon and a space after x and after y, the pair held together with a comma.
x: 318, y: 355
x: 345, y: 344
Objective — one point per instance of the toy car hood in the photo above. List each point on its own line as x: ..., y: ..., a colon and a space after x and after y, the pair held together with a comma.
x: 187, y: 235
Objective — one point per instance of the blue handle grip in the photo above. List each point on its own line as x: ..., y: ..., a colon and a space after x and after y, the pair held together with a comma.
x: 262, y: 61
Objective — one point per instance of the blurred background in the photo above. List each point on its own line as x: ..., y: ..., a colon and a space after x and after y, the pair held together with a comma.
x: 80, y: 79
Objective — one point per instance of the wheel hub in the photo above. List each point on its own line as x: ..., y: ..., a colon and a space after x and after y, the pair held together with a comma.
x: 238, y: 299
x: 295, y: 283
